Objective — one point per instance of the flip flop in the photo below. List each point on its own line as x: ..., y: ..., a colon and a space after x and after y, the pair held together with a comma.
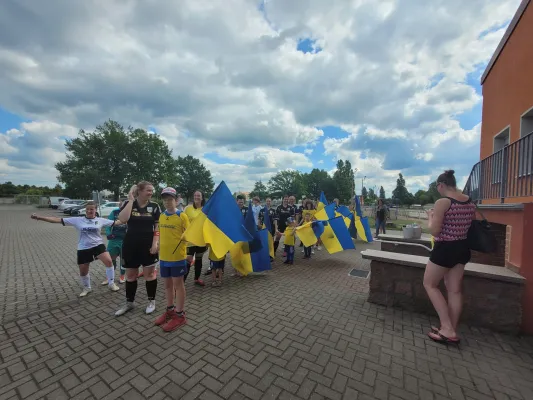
x: 440, y: 338
x: 435, y: 329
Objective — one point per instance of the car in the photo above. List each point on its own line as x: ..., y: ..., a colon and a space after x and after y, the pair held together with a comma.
x: 70, y: 203
x: 103, y: 211
x: 72, y: 210
x: 54, y: 202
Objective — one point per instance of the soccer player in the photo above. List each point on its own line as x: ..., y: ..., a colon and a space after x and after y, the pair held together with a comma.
x: 115, y: 238
x: 195, y: 253
x: 140, y: 243
x: 283, y: 211
x: 172, y: 260
x: 90, y: 244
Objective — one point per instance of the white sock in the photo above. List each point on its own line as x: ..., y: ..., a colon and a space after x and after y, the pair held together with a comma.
x: 110, y: 273
x: 86, y: 281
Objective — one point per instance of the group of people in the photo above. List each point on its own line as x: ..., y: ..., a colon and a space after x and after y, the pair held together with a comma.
x: 141, y: 235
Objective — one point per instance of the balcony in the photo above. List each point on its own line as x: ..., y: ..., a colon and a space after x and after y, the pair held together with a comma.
x: 506, y: 175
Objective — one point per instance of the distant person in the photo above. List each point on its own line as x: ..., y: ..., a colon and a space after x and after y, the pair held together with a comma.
x: 381, y: 217
x: 90, y: 244
x: 449, y: 223
x: 140, y: 248
x: 115, y: 239
x: 195, y: 253
x: 290, y: 240
x: 283, y: 212
x: 292, y: 203
x: 256, y: 209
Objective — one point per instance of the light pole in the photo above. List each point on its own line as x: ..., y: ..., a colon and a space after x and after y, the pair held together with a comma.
x: 362, y: 184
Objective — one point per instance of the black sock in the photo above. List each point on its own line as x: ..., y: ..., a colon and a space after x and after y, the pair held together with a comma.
x: 170, y: 308
x: 276, y: 245
x: 198, y: 266
x: 114, y: 263
x: 151, y: 289
x: 131, y: 289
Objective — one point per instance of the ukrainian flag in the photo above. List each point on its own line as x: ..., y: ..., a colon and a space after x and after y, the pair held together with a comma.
x: 219, y: 224
x: 252, y: 256
x: 360, y: 224
x: 346, y: 214
x: 336, y: 236
x: 322, y: 202
x: 309, y: 233
x: 326, y: 213
x: 268, y: 227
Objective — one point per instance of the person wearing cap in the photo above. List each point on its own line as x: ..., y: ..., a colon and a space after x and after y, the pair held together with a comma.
x: 290, y: 239
x: 172, y: 260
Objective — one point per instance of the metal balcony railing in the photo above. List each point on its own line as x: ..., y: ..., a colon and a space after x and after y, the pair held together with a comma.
x: 505, y: 174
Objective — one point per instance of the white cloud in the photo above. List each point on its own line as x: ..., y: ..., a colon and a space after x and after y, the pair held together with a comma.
x: 225, y: 78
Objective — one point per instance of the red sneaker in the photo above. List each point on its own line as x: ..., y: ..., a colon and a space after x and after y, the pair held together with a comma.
x: 174, y: 322
x: 199, y: 282
x: 162, y: 319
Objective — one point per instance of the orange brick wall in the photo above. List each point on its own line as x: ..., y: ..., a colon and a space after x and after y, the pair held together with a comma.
x: 508, y: 88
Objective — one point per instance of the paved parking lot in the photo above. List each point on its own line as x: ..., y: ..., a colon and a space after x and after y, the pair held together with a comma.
x: 300, y: 332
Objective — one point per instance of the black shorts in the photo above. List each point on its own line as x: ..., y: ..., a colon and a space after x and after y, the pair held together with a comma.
x: 449, y: 254
x: 88, y: 255
x: 191, y: 251
x: 281, y: 227
x: 136, y: 252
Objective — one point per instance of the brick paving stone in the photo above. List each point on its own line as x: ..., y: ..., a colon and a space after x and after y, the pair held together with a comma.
x: 304, y: 332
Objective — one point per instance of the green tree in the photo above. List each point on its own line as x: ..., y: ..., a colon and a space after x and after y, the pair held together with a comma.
x: 260, y: 190
x: 382, y: 193
x: 316, y: 181
x: 401, y: 193
x: 372, y: 196
x: 189, y: 175
x: 9, y: 189
x: 422, y: 197
x: 364, y: 193
x: 286, y: 182
x: 113, y: 159
x: 433, y: 193
x: 344, y: 180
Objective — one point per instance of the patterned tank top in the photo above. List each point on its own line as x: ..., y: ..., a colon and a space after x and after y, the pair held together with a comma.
x: 457, y: 221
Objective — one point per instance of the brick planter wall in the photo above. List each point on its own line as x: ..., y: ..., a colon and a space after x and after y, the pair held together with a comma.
x: 487, y: 303
x: 405, y: 249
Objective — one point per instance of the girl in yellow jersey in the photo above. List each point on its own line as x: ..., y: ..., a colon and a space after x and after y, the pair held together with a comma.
x: 172, y: 260
x: 195, y: 252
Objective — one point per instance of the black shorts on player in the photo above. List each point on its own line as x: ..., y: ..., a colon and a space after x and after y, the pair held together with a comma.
x: 192, y: 250
x: 89, y: 255
x: 136, y: 252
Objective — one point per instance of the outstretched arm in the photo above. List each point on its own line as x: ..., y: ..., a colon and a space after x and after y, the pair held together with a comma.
x: 52, y: 220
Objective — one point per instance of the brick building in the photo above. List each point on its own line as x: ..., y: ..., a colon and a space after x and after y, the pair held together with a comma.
x: 502, y: 182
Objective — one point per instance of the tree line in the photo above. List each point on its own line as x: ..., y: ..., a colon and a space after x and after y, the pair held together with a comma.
x: 114, y: 158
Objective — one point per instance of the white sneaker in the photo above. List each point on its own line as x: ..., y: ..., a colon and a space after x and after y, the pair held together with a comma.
x: 125, y: 308
x: 113, y: 287
x: 312, y: 252
x: 122, y: 280
x: 319, y: 248
x: 85, y: 291
x: 302, y: 251
x: 104, y: 282
x: 151, y: 307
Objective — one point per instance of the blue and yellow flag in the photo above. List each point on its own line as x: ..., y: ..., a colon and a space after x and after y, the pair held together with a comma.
x: 309, y: 233
x: 322, y: 202
x: 268, y: 226
x: 336, y: 236
x: 346, y: 214
x: 219, y: 224
x: 360, y: 224
x: 254, y: 255
x: 326, y: 213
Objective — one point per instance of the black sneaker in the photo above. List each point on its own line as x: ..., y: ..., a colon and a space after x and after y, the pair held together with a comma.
x: 208, y: 272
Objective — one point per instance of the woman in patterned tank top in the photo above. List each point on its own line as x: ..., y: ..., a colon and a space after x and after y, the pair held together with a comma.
x: 448, y: 222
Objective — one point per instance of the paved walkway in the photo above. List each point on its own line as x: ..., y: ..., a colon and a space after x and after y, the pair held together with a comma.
x: 300, y: 332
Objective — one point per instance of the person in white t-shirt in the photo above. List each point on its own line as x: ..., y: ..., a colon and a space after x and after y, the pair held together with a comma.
x: 90, y: 244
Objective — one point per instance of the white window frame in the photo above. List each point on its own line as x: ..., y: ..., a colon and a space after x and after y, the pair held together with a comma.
x: 498, y: 156
x: 526, y: 148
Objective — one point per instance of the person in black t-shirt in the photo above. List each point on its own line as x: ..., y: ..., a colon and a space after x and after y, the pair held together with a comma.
x: 283, y: 212
x: 242, y: 207
x: 271, y: 212
x: 140, y: 247
x: 292, y: 203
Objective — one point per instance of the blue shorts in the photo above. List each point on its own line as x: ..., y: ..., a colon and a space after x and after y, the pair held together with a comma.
x: 173, y: 269
x: 217, y: 264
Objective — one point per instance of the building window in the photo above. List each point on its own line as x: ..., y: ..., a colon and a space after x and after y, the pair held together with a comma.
x: 526, y: 144
x: 498, y: 159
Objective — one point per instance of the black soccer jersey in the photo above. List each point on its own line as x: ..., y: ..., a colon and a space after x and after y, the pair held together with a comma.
x: 142, y: 219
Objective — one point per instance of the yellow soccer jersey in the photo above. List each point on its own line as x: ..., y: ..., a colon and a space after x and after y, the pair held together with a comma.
x: 290, y: 236
x: 171, y: 227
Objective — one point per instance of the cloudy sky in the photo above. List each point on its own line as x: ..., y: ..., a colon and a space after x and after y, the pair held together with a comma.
x: 252, y: 87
